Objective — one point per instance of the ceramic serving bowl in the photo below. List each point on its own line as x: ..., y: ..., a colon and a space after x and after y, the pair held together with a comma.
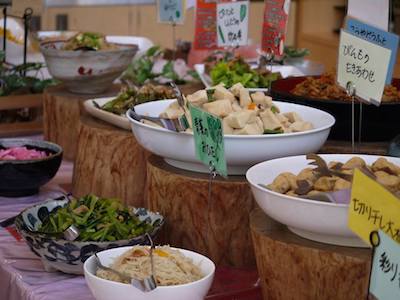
x: 69, y: 256
x: 241, y: 151
x: 103, y: 289
x: 86, y: 72
x: 25, y: 177
x: 315, y: 220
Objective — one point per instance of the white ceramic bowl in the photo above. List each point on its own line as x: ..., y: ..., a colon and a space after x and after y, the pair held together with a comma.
x: 241, y: 152
x: 103, y: 289
x: 314, y: 220
x: 86, y: 72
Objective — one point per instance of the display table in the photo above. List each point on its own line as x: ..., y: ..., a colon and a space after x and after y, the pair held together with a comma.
x: 372, y: 148
x: 218, y: 228
x: 61, y: 112
x: 291, y: 267
x: 109, y: 162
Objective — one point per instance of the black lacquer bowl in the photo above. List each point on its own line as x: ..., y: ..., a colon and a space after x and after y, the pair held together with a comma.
x: 378, y: 123
x: 59, y: 254
x: 20, y: 178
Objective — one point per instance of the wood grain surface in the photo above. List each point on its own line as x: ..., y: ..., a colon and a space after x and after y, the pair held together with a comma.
x: 291, y: 267
x: 109, y: 163
x: 61, y: 112
x: 372, y: 148
x: 217, y: 228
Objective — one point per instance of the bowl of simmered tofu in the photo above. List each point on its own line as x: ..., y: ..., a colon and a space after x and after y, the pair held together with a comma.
x: 255, y: 127
x: 310, y: 194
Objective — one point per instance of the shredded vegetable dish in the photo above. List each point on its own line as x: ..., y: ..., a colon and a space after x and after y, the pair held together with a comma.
x: 88, y: 41
x: 98, y: 219
x: 325, y: 87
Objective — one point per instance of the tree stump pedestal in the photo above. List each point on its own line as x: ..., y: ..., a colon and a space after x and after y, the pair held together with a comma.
x: 216, y: 227
x: 61, y: 112
x: 291, y: 267
x: 109, y: 163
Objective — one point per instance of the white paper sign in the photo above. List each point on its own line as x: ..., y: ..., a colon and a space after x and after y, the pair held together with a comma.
x: 373, y: 12
x: 364, y: 64
x: 232, y: 23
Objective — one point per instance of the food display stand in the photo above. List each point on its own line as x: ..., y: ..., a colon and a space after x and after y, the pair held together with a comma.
x: 61, y: 112
x: 102, y: 165
x: 291, y: 267
x: 217, y: 227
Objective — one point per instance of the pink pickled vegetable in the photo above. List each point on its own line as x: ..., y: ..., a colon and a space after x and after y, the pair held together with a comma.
x: 21, y: 153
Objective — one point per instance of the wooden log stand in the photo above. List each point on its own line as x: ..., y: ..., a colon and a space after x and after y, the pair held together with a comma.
x: 109, y: 163
x: 217, y: 228
x: 61, y: 112
x: 291, y: 267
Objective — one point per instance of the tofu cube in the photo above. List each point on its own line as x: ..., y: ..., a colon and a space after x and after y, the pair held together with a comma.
x: 270, y: 120
x: 293, y: 117
x: 250, y: 129
x: 173, y: 111
x: 198, y: 98
x: 220, y: 108
x: 260, y: 98
x: 236, y: 106
x: 226, y: 127
x: 245, y: 99
x: 300, y: 126
x: 239, y: 119
x: 222, y: 93
x: 236, y: 88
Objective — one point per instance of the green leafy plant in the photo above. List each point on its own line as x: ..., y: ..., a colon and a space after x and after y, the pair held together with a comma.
x: 13, y: 78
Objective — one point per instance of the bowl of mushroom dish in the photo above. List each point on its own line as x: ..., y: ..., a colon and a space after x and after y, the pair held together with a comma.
x: 312, y: 200
x: 255, y: 128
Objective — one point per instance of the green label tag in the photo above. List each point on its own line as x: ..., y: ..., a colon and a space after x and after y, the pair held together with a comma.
x: 209, y: 140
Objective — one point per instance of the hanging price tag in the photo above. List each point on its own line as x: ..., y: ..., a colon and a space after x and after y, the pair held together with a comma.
x: 385, y: 273
x: 209, y: 140
x: 365, y: 64
x: 372, y: 207
x: 205, y: 35
x: 374, y: 12
x: 274, y: 26
x: 378, y: 37
x: 232, y: 23
x: 171, y: 11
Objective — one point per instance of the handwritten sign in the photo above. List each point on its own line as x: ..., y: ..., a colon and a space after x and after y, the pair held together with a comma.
x: 209, y: 139
x: 372, y: 207
x: 385, y: 274
x: 274, y: 26
x: 374, y: 12
x: 377, y: 36
x: 364, y: 64
x: 205, y: 35
x: 171, y: 11
x: 232, y: 23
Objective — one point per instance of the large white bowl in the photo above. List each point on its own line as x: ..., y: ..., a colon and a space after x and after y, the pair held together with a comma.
x: 314, y: 220
x: 103, y: 289
x: 241, y: 152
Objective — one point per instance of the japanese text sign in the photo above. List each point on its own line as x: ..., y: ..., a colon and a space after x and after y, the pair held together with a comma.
x: 205, y: 36
x: 209, y: 139
x: 171, y: 11
x: 232, y: 23
x: 385, y: 273
x: 363, y: 63
x: 373, y: 12
x: 372, y: 207
x: 377, y: 36
x: 274, y: 26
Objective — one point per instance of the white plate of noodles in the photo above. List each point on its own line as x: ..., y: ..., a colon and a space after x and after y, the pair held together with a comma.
x: 180, y: 274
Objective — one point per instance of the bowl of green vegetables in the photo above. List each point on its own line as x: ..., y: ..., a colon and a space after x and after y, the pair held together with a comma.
x: 103, y: 223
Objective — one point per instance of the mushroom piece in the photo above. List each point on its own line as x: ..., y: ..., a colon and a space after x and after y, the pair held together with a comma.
x: 382, y: 164
x: 307, y: 174
x: 341, y: 184
x: 280, y: 184
x: 324, y: 184
x: 354, y: 162
x: 391, y: 182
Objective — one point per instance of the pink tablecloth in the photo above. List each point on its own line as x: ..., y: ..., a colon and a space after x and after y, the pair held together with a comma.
x: 22, y: 276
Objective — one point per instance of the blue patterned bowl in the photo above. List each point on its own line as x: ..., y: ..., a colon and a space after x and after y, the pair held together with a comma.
x: 69, y: 256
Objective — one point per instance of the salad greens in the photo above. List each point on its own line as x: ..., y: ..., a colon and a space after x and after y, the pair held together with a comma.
x: 237, y: 70
x: 141, y: 70
x: 98, y: 219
